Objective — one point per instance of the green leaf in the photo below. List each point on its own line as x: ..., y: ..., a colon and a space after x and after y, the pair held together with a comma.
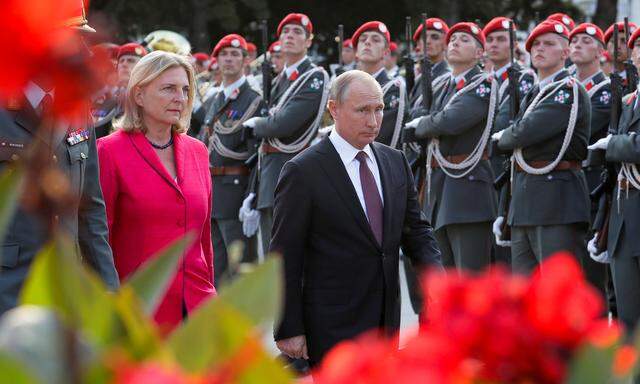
x: 10, y: 182
x: 591, y: 365
x: 14, y: 372
x: 258, y: 294
x: 151, y: 281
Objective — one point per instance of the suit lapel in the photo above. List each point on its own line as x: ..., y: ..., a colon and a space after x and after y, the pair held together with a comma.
x: 149, y: 155
x: 385, y: 181
x: 339, y: 178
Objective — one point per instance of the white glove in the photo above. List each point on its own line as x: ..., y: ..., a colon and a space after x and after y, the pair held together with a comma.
x: 251, y: 123
x: 497, y: 224
x: 413, y: 123
x: 601, y: 144
x: 250, y: 218
x: 496, y: 136
x: 602, y: 257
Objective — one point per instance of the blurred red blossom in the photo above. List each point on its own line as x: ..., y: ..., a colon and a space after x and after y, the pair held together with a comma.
x: 490, y: 327
x: 41, y: 44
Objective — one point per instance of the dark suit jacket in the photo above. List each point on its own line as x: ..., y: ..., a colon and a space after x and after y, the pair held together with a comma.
x: 85, y: 223
x: 339, y: 282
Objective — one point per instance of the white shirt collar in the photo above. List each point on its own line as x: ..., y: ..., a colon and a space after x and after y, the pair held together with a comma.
x: 347, y: 151
x: 498, y: 72
x: 461, y: 76
x: 290, y: 69
x: 228, y: 90
x: 549, y: 79
x: 588, y: 79
x: 35, y: 94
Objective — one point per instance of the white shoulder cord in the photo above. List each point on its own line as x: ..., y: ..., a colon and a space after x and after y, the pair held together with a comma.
x: 399, y: 117
x: 468, y: 164
x: 300, y: 143
x: 547, y: 91
x: 598, y: 87
x: 629, y: 172
x: 505, y: 84
x: 218, y: 129
x: 436, y: 86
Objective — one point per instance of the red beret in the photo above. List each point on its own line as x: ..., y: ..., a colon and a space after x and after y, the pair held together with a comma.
x: 547, y: 26
x: 499, y: 23
x: 296, y: 18
x: 588, y: 29
x: 634, y: 36
x: 377, y: 26
x: 275, y: 46
x: 109, y: 50
x: 133, y: 49
x: 347, y: 43
x: 393, y: 47
x: 469, y: 28
x: 232, y: 40
x: 251, y: 47
x: 213, y: 64
x: 609, y: 33
x: 200, y: 56
x: 433, y: 24
x: 564, y: 19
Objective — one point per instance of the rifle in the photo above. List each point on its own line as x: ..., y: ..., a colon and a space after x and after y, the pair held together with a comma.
x: 427, y: 99
x: 407, y: 61
x: 629, y: 68
x: 608, y: 177
x: 267, y: 72
x: 514, y: 104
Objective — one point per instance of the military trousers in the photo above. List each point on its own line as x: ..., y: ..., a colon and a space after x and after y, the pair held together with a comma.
x: 532, y: 244
x: 625, y: 270
x: 266, y: 223
x: 465, y: 246
x: 224, y: 232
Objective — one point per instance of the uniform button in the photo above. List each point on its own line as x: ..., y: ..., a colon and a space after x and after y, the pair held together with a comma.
x: 82, y: 155
x: 15, y: 157
x: 472, y: 177
x: 550, y: 177
x: 236, y: 181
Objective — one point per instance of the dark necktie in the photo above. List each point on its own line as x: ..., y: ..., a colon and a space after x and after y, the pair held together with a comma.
x: 372, y: 200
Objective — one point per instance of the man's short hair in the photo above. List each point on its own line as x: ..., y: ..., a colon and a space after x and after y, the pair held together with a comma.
x: 340, y: 84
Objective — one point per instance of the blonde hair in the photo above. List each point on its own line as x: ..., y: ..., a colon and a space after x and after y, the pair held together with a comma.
x: 144, y: 72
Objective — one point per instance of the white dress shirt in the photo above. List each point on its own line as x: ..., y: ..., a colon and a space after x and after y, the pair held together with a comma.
x: 293, y: 67
x: 347, y: 153
x: 35, y: 94
x: 229, y: 89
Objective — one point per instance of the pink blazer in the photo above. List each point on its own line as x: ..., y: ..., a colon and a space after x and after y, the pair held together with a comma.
x: 147, y: 210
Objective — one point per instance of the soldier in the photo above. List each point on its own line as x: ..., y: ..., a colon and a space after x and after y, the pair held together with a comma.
x: 69, y: 154
x: 498, y: 52
x: 348, y: 55
x: 623, y: 251
x: 371, y: 42
x: 564, y: 19
x: 200, y: 62
x: 622, y: 55
x: 275, y: 55
x: 586, y: 48
x: 299, y: 96
x: 459, y: 127
x: 228, y: 150
x: 391, y: 61
x: 549, y: 208
x: 112, y: 108
x: 437, y: 30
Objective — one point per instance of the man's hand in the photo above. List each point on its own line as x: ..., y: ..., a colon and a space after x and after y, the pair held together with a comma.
x: 294, y: 347
x: 496, y: 136
x: 602, y: 257
x: 601, y: 144
x: 413, y: 123
x: 497, y: 232
x: 251, y: 123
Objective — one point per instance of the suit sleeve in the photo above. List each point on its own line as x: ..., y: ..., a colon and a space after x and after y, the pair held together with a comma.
x: 291, y: 221
x: 461, y: 115
x: 550, y: 118
x: 418, y: 242
x: 298, y: 113
x: 93, y: 232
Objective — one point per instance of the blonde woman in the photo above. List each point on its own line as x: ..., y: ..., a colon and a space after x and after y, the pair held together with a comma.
x: 156, y: 182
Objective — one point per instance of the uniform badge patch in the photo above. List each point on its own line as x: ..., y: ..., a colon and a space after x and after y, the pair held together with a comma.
x: 525, y: 86
x: 393, y: 102
x: 316, y: 84
x: 483, y: 90
x: 562, y: 97
x: 605, y: 97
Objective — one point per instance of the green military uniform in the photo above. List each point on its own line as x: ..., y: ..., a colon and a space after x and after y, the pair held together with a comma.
x: 624, y: 219
x: 106, y: 109
x: 549, y: 212
x: 462, y: 224
x: 298, y: 115
x: 85, y: 222
x: 228, y: 151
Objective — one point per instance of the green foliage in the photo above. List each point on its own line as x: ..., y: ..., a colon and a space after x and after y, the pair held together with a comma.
x: 592, y: 365
x: 13, y: 371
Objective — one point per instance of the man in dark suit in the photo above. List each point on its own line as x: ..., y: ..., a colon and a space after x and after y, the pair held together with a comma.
x: 342, y: 210
x: 70, y: 149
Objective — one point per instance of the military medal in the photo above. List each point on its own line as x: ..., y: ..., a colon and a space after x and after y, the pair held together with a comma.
x: 78, y: 136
